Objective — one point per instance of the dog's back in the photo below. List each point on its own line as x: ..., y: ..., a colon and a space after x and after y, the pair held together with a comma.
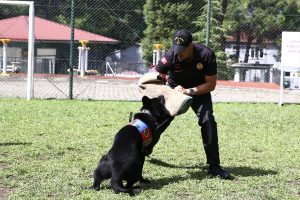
x: 122, y: 162
x: 125, y: 159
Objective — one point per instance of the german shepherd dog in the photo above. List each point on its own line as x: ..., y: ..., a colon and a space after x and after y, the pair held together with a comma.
x: 125, y: 160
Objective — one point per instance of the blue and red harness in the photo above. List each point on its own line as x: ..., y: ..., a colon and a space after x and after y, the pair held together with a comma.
x: 144, y: 130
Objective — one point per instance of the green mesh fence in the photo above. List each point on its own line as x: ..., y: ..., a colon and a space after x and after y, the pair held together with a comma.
x: 120, y: 37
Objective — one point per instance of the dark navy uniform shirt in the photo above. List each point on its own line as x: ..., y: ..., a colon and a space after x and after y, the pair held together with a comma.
x: 188, y: 74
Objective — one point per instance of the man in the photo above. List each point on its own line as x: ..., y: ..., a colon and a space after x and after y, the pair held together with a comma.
x: 192, y: 70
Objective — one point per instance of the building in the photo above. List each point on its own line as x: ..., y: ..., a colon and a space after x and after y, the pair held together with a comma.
x: 128, y: 60
x: 261, y: 59
x: 51, y: 43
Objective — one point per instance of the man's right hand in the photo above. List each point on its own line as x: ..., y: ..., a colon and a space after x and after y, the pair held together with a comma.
x: 163, y: 77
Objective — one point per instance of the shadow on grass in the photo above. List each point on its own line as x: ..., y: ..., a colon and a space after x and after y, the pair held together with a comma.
x: 15, y: 143
x: 164, y: 164
x: 161, y: 182
x: 202, y: 174
x: 249, y: 171
x: 236, y: 171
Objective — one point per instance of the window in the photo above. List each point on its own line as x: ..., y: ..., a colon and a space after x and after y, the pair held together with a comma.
x: 234, y: 48
x: 256, y: 52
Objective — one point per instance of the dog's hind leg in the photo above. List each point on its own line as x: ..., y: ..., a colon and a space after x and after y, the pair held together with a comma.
x: 97, y: 179
x: 102, y: 172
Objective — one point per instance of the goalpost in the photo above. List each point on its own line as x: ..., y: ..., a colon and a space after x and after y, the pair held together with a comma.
x: 30, y: 4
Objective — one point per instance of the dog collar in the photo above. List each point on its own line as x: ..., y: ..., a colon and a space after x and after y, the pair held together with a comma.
x: 144, y: 130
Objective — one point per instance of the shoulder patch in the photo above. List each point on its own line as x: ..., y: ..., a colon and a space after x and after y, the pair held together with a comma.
x: 164, y: 60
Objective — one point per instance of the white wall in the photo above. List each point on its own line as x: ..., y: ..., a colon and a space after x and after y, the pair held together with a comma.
x: 269, y: 54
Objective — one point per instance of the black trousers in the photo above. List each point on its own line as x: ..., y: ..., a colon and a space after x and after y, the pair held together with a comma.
x: 203, y: 108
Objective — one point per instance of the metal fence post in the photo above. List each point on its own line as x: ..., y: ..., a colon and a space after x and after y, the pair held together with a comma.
x: 71, y: 50
x: 208, y: 22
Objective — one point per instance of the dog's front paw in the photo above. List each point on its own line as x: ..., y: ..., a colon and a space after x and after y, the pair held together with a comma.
x: 94, y: 188
x: 147, y: 151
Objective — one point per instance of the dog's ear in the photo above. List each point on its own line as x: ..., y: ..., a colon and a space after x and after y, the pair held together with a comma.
x: 145, y: 100
x: 162, y: 99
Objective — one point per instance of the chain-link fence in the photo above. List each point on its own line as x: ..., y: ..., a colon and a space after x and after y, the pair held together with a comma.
x: 114, y: 44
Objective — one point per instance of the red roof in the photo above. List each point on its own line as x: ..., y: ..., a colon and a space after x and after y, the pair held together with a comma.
x: 244, y: 37
x: 16, y: 29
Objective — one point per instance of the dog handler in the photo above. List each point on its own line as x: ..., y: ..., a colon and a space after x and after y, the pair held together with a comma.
x: 192, y: 70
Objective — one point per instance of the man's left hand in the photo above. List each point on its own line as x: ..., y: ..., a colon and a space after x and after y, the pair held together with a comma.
x: 181, y: 89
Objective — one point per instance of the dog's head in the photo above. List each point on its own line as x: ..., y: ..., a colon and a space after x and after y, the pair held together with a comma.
x: 156, y: 108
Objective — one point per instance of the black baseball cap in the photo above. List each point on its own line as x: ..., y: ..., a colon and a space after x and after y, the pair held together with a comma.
x: 181, y: 39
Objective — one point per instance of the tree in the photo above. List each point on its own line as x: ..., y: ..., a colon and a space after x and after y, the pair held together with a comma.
x: 120, y: 19
x: 217, y: 39
x: 292, y: 15
x: 163, y: 19
x: 260, y: 20
x: 7, y: 11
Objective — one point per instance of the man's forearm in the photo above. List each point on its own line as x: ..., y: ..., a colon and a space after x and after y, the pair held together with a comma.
x: 203, y: 88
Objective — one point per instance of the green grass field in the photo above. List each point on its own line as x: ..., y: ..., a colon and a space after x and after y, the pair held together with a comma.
x: 49, y: 149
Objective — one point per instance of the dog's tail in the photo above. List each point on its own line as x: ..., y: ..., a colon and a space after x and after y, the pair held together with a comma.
x: 119, y: 187
x: 130, y: 116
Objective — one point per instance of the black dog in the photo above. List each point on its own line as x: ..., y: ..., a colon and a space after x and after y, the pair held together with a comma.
x: 125, y: 160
